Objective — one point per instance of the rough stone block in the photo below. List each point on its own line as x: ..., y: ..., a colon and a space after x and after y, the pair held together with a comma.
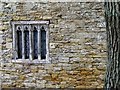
x: 47, y: 17
x: 9, y: 45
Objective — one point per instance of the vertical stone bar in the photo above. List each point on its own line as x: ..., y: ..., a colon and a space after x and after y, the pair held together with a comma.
x: 47, y: 43
x: 16, y: 38
x: 39, y: 43
x: 30, y: 43
x: 23, y: 43
x: 16, y: 46
x: 14, y: 42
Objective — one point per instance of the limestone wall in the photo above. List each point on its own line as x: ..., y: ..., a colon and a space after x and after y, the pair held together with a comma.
x: 77, y: 45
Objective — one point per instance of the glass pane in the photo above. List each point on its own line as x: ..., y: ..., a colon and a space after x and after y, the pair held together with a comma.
x: 27, y: 49
x: 19, y: 44
x: 35, y: 41
x: 43, y: 44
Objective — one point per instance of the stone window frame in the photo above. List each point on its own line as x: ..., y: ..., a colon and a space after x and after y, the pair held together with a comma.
x: 14, y: 60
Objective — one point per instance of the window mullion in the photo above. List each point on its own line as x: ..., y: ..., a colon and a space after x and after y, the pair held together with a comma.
x: 39, y: 43
x: 30, y: 41
x: 16, y: 48
x: 23, y: 43
x: 47, y: 41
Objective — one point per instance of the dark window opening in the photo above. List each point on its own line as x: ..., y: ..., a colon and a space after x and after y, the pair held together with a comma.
x: 35, y: 42
x: 43, y: 43
x: 27, y: 48
x: 19, y: 44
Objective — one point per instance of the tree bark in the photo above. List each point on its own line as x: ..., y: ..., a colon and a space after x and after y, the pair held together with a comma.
x: 112, y: 16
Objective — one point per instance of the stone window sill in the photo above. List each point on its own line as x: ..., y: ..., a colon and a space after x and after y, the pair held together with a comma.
x: 27, y: 61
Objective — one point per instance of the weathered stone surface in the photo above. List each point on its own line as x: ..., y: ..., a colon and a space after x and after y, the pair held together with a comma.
x: 77, y: 45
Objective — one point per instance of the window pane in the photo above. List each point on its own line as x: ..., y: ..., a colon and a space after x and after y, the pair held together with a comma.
x: 27, y: 49
x: 35, y: 41
x: 43, y: 44
x: 19, y: 43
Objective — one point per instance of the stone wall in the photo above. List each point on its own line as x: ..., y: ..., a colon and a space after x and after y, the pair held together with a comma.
x: 77, y: 45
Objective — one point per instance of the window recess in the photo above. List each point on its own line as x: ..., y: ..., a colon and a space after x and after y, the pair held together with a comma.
x: 30, y: 40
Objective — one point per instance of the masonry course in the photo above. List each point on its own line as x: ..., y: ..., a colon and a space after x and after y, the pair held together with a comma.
x: 77, y: 45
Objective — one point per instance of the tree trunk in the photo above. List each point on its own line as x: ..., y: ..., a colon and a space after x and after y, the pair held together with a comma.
x: 112, y: 16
